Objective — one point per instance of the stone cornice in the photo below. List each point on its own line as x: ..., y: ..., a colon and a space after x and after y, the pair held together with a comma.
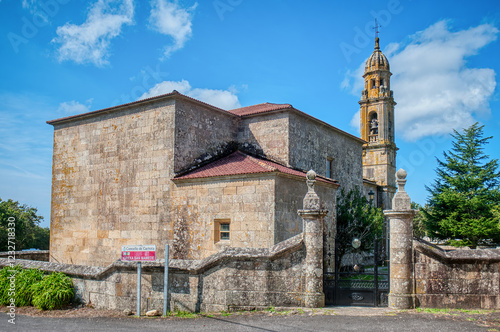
x: 456, y: 256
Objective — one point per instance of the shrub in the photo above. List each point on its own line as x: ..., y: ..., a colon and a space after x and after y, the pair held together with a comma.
x: 25, y: 280
x: 5, y: 273
x: 54, y: 291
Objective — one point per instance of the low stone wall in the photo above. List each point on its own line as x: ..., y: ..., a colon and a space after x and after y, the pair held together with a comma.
x: 462, y: 278
x: 35, y: 255
x: 232, y: 279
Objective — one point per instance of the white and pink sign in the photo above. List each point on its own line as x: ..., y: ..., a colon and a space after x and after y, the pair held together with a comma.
x: 139, y: 253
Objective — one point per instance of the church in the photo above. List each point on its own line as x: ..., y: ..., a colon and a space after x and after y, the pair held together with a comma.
x: 175, y: 170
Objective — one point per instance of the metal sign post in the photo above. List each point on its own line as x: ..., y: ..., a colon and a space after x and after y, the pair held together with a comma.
x: 138, y: 312
x: 165, y: 283
x: 139, y: 253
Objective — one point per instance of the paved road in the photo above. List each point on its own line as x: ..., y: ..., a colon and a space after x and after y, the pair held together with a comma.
x: 257, y: 322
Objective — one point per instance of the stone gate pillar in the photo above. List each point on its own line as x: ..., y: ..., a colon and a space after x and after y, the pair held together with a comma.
x: 401, y: 246
x: 313, y: 219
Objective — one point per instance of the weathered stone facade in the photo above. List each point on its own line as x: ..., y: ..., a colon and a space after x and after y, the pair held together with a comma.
x: 267, y: 134
x: 313, y: 142
x: 118, y: 178
x: 462, y: 278
x: 298, y: 140
x: 174, y: 170
x: 247, y: 202
x: 111, y: 182
x: 289, y: 273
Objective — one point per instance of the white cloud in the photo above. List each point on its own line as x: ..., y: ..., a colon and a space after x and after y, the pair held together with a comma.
x: 74, y: 107
x: 30, y: 4
x: 33, y: 7
x: 169, y: 18
x: 435, y: 89
x: 225, y: 99
x: 90, y: 41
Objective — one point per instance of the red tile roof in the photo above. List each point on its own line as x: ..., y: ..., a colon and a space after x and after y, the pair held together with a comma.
x: 259, y: 108
x: 240, y: 163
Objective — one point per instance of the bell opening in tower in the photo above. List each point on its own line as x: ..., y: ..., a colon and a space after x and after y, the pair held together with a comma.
x: 373, y: 127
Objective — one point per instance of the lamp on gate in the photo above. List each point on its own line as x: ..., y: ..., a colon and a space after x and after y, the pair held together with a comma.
x: 371, y: 194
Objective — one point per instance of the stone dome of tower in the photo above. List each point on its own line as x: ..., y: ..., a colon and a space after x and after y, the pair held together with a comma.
x: 376, y: 61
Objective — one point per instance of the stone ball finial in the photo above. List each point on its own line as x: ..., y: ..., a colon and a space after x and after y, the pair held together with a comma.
x: 311, y: 200
x: 401, y: 174
x: 311, y: 175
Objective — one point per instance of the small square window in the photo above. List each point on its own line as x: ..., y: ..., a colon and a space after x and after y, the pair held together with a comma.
x: 222, y: 230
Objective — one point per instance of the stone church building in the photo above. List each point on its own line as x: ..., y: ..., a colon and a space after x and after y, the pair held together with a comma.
x: 174, y: 170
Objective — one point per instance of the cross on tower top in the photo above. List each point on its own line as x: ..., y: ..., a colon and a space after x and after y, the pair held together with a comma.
x: 376, y: 28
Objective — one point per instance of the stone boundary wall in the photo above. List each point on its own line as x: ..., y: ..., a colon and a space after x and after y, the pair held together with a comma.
x: 35, y: 255
x: 462, y: 278
x: 236, y: 278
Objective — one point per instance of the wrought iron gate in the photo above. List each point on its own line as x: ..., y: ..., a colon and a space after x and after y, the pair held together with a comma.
x: 361, y: 275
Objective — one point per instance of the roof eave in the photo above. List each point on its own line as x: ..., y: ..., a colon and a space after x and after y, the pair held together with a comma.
x: 173, y: 94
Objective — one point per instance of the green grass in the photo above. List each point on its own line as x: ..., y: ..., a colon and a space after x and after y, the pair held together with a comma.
x: 453, y: 311
x: 185, y: 314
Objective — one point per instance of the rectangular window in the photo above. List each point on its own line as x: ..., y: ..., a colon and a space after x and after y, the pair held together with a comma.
x: 329, y: 167
x: 222, y: 230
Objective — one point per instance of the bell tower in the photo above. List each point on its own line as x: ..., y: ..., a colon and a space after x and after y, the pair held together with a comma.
x: 377, y: 126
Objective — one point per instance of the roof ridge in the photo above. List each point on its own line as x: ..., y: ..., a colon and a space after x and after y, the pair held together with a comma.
x: 260, y: 104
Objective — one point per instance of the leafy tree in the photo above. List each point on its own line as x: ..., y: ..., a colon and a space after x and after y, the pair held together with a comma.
x: 28, y: 233
x: 357, y: 217
x: 464, y: 203
x: 419, y: 229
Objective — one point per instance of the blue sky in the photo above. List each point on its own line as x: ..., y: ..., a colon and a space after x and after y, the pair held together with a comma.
x: 64, y: 57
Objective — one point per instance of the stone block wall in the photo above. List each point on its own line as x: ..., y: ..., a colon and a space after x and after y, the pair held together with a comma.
x: 113, y: 169
x: 202, y: 132
x: 35, y: 255
x: 237, y: 278
x: 462, y: 278
x: 111, y: 182
x: 378, y: 162
x: 312, y: 142
x: 246, y: 201
x: 267, y: 135
x: 289, y: 195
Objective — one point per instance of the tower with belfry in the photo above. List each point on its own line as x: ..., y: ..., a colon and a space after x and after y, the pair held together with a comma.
x: 377, y: 126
